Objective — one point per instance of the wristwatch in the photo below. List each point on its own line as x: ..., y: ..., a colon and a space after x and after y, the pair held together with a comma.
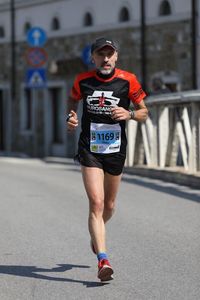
x: 132, y: 114
x: 68, y: 117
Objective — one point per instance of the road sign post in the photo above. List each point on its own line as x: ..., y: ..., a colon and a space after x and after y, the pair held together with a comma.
x: 36, y: 56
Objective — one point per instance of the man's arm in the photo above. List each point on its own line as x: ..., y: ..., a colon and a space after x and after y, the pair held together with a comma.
x: 140, y: 113
x: 72, y: 118
x: 72, y: 104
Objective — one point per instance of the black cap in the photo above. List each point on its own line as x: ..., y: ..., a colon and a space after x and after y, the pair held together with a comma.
x: 102, y: 42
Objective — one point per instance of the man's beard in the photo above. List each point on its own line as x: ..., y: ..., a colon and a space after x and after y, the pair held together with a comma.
x: 105, y: 72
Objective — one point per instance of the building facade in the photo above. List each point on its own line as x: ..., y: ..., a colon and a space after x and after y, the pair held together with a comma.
x: 32, y: 120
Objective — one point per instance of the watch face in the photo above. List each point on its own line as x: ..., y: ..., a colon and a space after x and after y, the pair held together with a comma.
x: 68, y: 117
x: 132, y: 114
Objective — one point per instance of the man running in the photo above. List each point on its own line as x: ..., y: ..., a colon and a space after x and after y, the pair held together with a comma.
x: 106, y: 93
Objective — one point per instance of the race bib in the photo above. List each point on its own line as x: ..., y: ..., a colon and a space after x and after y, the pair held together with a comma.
x: 105, y: 138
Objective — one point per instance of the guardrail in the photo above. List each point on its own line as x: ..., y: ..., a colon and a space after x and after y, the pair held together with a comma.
x: 171, y: 135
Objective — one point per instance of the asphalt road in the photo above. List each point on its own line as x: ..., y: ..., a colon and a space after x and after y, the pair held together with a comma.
x: 153, y: 238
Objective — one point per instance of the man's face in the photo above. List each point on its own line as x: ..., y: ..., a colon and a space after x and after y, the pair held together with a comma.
x: 105, y: 59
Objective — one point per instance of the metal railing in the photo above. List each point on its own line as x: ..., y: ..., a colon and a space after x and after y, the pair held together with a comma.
x: 171, y: 135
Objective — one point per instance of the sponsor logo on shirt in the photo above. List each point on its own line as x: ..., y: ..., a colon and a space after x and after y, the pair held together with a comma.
x: 101, y: 102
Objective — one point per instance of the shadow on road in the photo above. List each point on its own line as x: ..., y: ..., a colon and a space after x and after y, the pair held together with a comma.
x: 31, y: 272
x: 172, y: 190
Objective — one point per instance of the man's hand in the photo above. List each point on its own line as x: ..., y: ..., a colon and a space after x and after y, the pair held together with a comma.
x: 119, y: 113
x: 140, y: 114
x: 73, y: 121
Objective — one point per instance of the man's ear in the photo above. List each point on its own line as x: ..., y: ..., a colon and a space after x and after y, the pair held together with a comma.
x: 116, y: 56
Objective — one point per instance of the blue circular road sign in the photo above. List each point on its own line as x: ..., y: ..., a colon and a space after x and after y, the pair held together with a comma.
x: 86, y: 55
x: 36, y: 37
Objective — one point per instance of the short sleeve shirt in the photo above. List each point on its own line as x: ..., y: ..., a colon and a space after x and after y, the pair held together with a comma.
x: 100, y: 95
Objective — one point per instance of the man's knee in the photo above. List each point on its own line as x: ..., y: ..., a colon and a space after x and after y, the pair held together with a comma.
x: 97, y: 206
x: 109, y: 207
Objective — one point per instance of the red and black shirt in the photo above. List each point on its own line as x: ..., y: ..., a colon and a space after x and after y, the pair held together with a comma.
x: 99, y: 95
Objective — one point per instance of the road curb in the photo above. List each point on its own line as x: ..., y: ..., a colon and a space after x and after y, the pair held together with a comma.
x: 174, y: 176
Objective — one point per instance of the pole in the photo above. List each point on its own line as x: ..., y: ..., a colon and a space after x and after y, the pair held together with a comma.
x: 143, y: 45
x: 13, y: 53
x: 194, y: 17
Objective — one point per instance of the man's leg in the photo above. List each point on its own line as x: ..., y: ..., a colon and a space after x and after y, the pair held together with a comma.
x: 101, y: 190
x: 93, y: 179
x: 111, y: 185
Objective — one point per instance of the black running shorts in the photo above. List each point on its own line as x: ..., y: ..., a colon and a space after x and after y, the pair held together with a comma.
x: 110, y: 163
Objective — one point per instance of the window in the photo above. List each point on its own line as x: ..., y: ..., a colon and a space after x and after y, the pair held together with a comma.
x: 27, y: 27
x: 2, y: 32
x: 165, y: 8
x: 124, y: 15
x: 88, y: 21
x: 55, y: 25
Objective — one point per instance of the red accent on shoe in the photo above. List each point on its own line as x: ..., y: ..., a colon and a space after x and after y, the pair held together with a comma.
x: 105, y: 270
